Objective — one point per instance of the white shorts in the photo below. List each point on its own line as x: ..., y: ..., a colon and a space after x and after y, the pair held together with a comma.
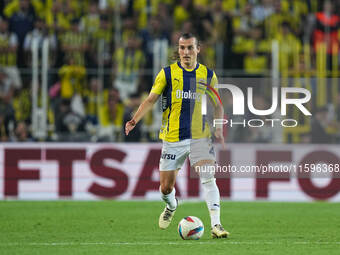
x: 174, y: 154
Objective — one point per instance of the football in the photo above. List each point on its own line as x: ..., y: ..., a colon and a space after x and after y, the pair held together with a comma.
x: 190, y: 228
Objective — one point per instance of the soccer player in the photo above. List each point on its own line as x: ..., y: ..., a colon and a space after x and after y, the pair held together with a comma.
x: 184, y: 131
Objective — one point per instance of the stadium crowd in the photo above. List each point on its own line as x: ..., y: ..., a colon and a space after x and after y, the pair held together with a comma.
x: 119, y: 37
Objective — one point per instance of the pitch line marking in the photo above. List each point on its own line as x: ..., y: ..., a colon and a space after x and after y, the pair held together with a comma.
x: 161, y: 243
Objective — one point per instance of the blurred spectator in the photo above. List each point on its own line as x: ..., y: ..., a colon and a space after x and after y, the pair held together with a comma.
x: 109, y: 6
x: 165, y: 18
x: 21, y: 22
x: 70, y: 126
x: 241, y: 26
x: 77, y: 8
x: 243, y: 23
x: 145, y: 10
x: 74, y: 43
x: 274, y: 21
x: 208, y: 54
x: 326, y: 28
x: 22, y: 103
x: 262, y: 10
x: 90, y: 22
x: 6, y: 88
x: 182, y: 13
x: 152, y: 36
x: 297, y: 11
x: 153, y: 33
x: 129, y: 28
x: 202, y: 4
x: 40, y: 32
x: 21, y: 133
x: 187, y: 27
x: 111, y: 117
x: 234, y: 7
x: 128, y: 62
x: 6, y: 109
x: 202, y: 22
x: 173, y: 47
x: 319, y: 126
x: 4, y: 132
x: 58, y: 16
x: 251, y: 49
x: 255, y: 61
x: 289, y: 46
x: 72, y: 79
x: 93, y: 97
x: 100, y: 47
x: 8, y: 53
x: 13, y: 6
x: 222, y: 35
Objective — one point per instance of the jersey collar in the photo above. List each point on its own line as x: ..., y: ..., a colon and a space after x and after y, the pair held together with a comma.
x: 189, y: 70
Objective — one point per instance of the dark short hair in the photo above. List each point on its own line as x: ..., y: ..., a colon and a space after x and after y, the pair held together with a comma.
x: 175, y: 55
x: 188, y: 36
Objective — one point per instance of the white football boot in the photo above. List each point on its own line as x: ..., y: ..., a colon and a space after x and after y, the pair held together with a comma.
x: 219, y: 232
x: 166, y: 217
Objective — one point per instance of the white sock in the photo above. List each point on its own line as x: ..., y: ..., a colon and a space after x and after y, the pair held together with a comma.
x: 212, y: 198
x: 169, y: 199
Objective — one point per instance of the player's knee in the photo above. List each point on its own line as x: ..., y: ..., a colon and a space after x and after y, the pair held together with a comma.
x: 166, y: 188
x: 206, y: 173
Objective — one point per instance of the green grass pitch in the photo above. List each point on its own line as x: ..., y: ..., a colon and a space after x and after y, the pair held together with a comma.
x: 114, y: 227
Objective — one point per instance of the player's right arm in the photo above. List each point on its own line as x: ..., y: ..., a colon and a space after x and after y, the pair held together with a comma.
x: 147, y: 104
x: 142, y: 110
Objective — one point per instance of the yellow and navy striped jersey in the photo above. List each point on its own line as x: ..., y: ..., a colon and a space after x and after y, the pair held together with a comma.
x: 182, y: 92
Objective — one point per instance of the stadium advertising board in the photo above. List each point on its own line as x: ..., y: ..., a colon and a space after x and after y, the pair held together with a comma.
x: 130, y: 171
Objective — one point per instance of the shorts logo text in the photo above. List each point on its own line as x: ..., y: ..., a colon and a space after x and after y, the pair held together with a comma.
x: 168, y: 156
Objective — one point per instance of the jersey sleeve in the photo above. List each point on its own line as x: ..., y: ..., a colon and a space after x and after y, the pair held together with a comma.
x: 159, y: 84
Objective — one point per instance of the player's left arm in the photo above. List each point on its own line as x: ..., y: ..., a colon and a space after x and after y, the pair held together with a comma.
x: 218, y: 113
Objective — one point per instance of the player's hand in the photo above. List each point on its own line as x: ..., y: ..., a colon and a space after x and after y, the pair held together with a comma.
x: 219, y: 136
x: 129, y: 126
